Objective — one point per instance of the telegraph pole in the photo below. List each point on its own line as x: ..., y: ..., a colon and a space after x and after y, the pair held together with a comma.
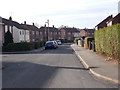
x: 48, y: 29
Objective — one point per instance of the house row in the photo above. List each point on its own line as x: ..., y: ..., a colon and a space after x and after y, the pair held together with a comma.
x: 30, y: 33
x: 86, y: 33
x: 69, y: 33
x: 109, y: 21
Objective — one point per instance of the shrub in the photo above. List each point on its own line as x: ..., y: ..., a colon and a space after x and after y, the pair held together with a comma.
x: 107, y: 41
x: 23, y: 46
x: 8, y: 38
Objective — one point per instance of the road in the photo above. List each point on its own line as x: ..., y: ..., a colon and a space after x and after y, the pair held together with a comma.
x: 56, y: 68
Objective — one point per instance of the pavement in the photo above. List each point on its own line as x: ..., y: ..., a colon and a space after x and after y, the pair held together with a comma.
x: 96, y: 64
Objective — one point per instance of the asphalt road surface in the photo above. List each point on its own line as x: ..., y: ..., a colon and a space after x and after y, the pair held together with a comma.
x: 55, y: 68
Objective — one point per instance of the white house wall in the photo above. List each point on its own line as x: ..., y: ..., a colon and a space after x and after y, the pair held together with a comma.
x: 0, y: 34
x: 16, y: 36
x: 27, y: 36
x: 22, y: 36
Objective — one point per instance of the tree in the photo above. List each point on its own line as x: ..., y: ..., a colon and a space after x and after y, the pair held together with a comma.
x: 8, y: 38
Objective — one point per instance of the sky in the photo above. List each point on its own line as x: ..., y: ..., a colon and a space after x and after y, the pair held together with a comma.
x: 72, y: 13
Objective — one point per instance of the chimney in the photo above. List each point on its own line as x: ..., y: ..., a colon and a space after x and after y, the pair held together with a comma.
x: 33, y: 24
x: 53, y: 26
x: 24, y: 22
x: 45, y: 25
x: 10, y: 18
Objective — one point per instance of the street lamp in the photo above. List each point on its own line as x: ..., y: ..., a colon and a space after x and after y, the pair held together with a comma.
x: 48, y: 28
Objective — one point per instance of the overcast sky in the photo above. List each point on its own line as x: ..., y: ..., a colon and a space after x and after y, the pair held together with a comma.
x: 77, y: 13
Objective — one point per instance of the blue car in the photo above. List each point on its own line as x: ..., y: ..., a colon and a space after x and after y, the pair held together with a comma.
x: 50, y: 45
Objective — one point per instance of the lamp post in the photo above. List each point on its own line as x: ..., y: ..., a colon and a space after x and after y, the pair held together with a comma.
x: 48, y: 29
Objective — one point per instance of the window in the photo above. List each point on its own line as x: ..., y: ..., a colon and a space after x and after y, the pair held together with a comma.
x: 41, y: 33
x: 20, y: 32
x: 59, y: 33
x: 10, y: 28
x: 41, y: 39
x: 37, y: 32
x: 33, y: 32
x: 33, y: 40
x: 64, y: 33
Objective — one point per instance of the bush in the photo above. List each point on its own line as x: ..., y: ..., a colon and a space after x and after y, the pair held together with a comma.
x: 8, y: 38
x: 107, y: 41
x: 23, y: 46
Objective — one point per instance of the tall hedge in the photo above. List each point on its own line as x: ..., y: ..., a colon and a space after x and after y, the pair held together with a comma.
x: 107, y: 41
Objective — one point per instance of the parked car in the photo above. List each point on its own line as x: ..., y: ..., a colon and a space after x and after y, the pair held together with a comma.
x: 59, y: 42
x: 56, y: 43
x: 50, y: 45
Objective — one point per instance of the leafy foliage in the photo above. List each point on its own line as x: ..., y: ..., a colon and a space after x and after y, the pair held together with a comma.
x: 23, y: 46
x: 8, y: 38
x: 107, y: 41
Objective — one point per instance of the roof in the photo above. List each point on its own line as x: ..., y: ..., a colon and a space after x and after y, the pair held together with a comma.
x: 19, y: 26
x: 117, y: 18
x: 105, y: 20
x: 12, y: 23
x: 88, y: 30
x: 70, y: 29
x: 30, y: 27
x: 51, y: 29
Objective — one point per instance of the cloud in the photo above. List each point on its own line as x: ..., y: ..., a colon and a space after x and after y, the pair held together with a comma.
x: 68, y: 12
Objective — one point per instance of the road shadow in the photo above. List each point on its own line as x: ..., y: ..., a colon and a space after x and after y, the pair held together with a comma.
x: 29, y: 75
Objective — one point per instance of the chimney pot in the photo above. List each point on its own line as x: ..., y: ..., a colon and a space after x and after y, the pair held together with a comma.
x: 45, y: 25
x: 53, y: 26
x: 33, y: 24
x: 10, y: 18
x: 24, y: 22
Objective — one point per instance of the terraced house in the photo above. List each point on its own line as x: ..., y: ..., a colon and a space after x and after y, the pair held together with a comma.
x: 69, y: 33
x: 30, y: 33
x: 20, y: 34
x: 87, y: 33
x: 50, y: 33
x: 33, y: 32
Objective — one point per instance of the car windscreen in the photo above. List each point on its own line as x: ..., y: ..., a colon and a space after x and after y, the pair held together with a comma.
x: 50, y: 43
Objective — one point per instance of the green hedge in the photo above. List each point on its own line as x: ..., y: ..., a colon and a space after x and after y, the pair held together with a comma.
x: 107, y: 41
x: 23, y: 46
